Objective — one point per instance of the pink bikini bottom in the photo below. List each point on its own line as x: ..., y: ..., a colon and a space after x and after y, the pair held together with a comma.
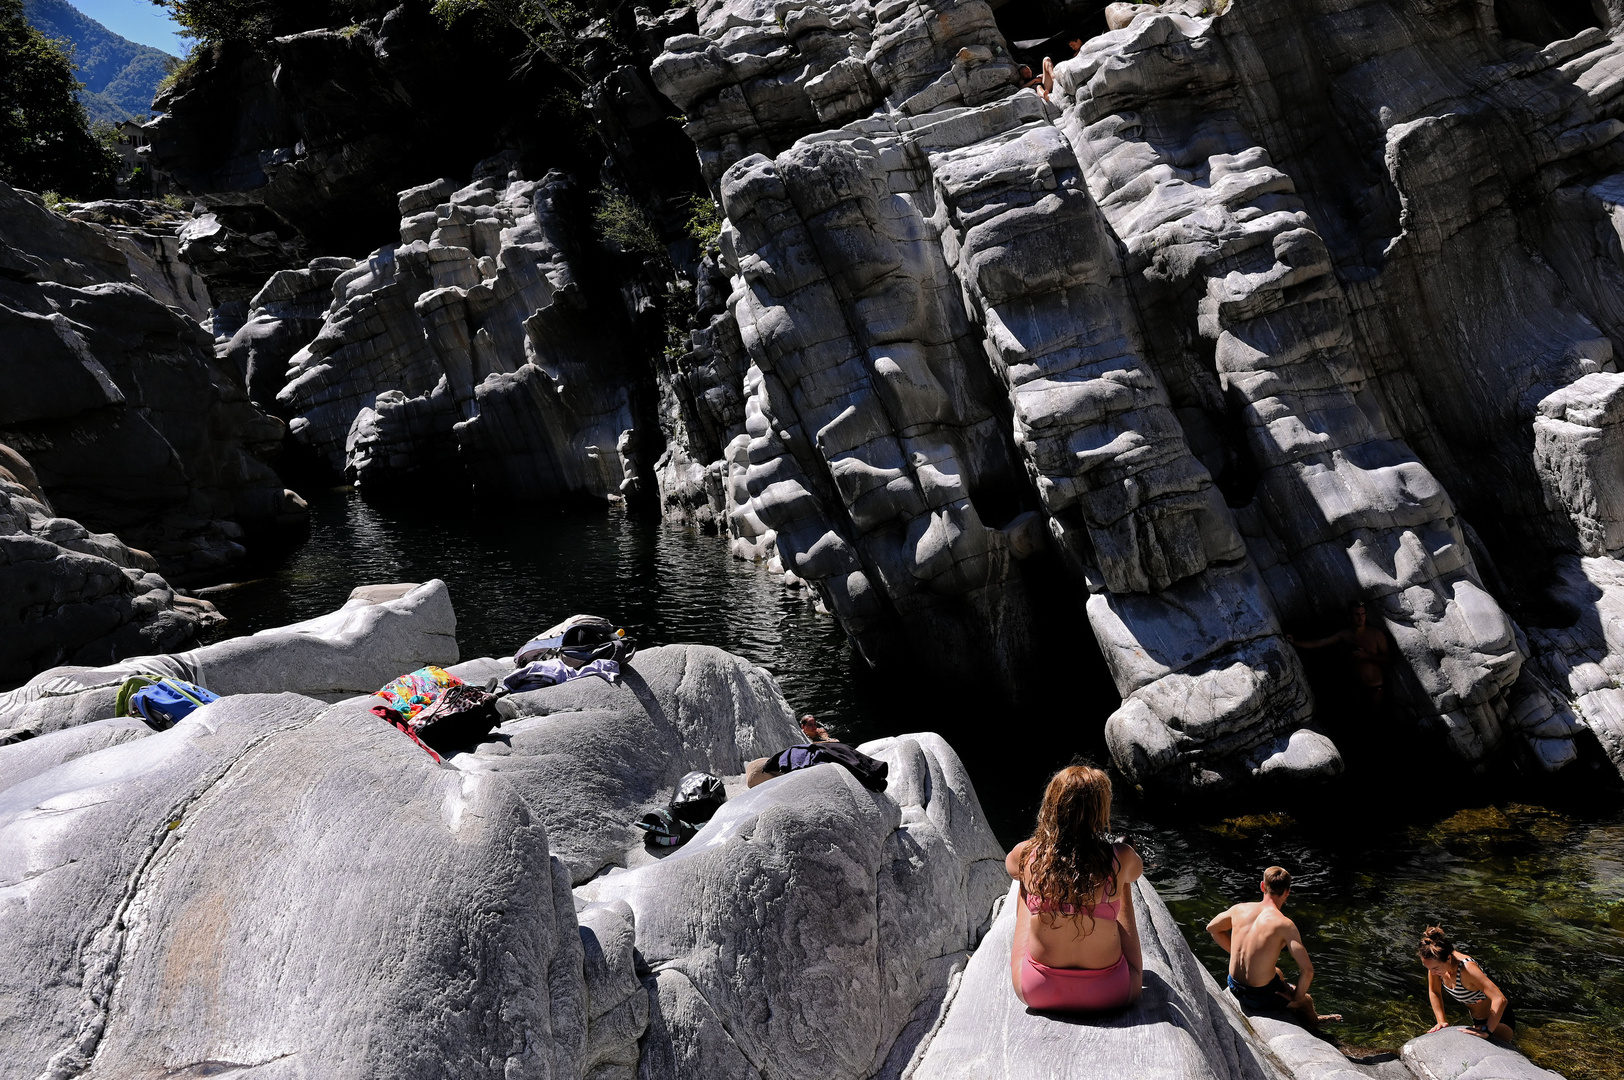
x: 1075, y: 989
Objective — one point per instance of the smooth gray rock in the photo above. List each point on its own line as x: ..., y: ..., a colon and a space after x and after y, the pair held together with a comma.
x: 396, y: 918
x: 1452, y: 1054
x: 21, y: 760
x: 1181, y: 1026
x: 590, y: 758
x: 354, y: 650
x: 811, y: 921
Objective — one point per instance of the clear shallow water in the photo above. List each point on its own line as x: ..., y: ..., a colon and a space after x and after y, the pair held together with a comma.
x: 1535, y: 892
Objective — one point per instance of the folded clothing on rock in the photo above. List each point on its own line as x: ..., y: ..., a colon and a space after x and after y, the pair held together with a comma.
x: 541, y: 673
x: 438, y: 711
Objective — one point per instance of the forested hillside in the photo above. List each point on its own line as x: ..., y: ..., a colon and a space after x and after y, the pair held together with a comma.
x: 120, y: 76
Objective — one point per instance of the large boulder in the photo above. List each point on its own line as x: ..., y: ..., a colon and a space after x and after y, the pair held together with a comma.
x: 184, y: 903
x: 354, y: 650
x: 591, y: 757
x: 811, y: 928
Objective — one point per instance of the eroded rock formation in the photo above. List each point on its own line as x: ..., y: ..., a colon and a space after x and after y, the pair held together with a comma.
x: 1255, y: 316
x: 1266, y: 308
x: 71, y: 595
x: 469, y: 344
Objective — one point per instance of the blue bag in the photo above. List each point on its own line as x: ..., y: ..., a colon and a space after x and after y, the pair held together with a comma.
x: 162, y: 702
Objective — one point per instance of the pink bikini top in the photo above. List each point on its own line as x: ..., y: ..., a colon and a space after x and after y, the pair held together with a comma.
x: 1105, y: 909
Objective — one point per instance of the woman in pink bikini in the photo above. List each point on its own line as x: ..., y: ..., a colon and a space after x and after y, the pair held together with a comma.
x: 1076, y: 940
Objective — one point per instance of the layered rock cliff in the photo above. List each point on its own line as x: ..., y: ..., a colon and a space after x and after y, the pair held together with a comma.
x: 1254, y: 316
x: 468, y: 347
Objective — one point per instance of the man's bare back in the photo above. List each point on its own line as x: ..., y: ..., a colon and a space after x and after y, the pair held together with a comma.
x: 1259, y: 934
x: 1254, y: 934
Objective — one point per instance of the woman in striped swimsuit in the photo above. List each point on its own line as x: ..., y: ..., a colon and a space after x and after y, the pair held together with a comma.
x: 1462, y: 978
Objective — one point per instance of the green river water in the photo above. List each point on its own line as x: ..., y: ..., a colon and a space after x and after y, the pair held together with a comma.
x: 1531, y: 883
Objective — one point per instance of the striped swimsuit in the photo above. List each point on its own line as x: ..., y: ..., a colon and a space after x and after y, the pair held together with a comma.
x: 1459, y: 991
x: 1468, y: 997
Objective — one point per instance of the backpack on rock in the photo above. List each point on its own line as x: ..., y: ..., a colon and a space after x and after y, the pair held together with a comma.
x: 160, y: 700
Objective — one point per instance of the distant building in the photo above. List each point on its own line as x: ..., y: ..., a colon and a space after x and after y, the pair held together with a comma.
x: 137, y: 175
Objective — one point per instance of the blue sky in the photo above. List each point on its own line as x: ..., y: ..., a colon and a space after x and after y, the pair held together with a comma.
x: 138, y: 20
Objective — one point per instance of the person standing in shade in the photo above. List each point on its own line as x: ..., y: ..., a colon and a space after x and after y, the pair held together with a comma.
x: 1369, y: 649
x: 1254, y: 935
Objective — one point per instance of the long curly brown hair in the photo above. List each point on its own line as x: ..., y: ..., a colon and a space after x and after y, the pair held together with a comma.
x: 1071, y: 859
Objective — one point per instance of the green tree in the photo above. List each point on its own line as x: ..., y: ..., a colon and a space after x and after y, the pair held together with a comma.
x: 550, y: 27
x: 253, y: 21
x: 45, y: 138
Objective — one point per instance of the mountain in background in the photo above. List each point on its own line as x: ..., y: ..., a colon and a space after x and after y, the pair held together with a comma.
x: 120, y: 76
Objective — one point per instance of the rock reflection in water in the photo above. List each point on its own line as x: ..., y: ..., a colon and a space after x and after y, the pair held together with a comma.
x: 1537, y: 894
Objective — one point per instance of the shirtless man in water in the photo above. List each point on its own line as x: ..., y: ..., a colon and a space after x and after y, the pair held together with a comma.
x: 1370, y: 652
x: 1253, y: 935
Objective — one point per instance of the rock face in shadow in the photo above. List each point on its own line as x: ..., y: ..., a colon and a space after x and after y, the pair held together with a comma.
x: 118, y: 403
x: 148, y: 233
x: 322, y: 127
x: 74, y: 596
x: 354, y: 650
x: 1261, y: 313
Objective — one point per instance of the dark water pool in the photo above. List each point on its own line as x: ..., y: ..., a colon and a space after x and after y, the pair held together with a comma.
x: 1534, y: 891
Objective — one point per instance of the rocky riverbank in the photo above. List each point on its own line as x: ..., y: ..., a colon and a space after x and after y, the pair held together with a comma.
x: 812, y: 928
